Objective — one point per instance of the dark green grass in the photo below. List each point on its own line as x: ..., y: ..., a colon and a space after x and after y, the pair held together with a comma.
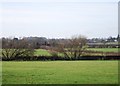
x: 60, y: 72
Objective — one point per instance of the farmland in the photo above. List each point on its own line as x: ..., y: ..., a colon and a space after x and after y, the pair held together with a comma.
x: 42, y: 52
x: 104, y: 49
x: 60, y: 72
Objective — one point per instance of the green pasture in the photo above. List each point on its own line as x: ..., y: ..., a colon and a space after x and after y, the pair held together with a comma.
x: 105, y: 49
x: 60, y: 72
x: 42, y: 52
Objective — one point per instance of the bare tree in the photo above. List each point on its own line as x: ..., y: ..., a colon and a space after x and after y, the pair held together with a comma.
x: 16, y: 48
x: 72, y: 48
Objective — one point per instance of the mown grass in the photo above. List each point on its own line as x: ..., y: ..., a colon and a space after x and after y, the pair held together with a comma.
x: 60, y: 72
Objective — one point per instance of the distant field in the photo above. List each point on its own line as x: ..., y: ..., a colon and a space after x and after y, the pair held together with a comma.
x: 41, y: 52
x: 60, y: 72
x: 104, y: 49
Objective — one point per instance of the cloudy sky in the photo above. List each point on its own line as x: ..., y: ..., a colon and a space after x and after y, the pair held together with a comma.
x: 59, y: 18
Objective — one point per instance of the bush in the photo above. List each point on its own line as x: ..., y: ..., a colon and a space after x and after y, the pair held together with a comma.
x: 51, y: 58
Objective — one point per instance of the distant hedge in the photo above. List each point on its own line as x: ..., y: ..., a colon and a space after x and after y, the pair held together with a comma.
x: 51, y: 58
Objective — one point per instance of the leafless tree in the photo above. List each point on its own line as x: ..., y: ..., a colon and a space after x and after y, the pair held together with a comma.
x: 72, y: 48
x: 16, y: 48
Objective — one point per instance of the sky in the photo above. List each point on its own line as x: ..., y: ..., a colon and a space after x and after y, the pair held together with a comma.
x: 59, y: 18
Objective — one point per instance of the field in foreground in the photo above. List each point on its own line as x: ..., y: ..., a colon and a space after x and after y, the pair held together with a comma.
x: 60, y: 72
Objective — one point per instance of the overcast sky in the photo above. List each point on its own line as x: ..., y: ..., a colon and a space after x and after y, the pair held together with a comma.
x: 59, y: 18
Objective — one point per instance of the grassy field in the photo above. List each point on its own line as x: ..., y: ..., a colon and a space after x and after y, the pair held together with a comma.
x: 60, y: 72
x: 42, y: 52
x: 104, y: 49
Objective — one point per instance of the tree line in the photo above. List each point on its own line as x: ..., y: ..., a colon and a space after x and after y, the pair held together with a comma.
x: 72, y: 48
